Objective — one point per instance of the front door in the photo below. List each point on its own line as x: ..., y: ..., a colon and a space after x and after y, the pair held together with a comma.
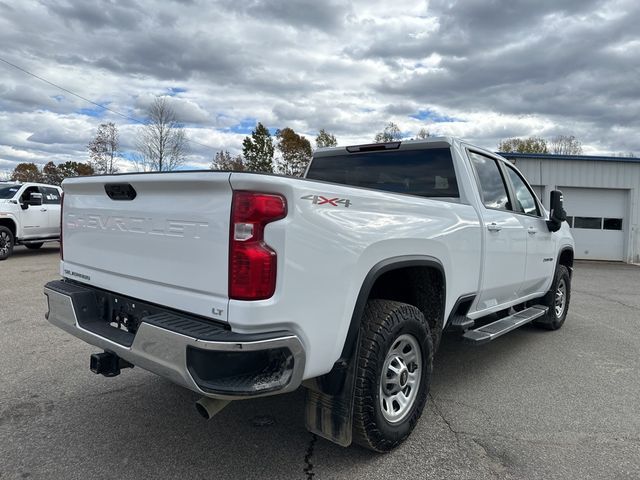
x: 541, y: 249
x: 34, y: 219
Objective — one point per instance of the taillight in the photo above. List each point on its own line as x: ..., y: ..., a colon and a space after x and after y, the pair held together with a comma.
x: 61, y: 215
x: 252, y: 263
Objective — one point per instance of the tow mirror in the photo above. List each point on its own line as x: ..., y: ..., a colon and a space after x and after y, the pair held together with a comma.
x: 558, y: 214
x: 34, y: 200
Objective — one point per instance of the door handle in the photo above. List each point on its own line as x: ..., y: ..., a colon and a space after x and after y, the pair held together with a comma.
x: 43, y: 209
x: 494, y: 227
x: 532, y: 230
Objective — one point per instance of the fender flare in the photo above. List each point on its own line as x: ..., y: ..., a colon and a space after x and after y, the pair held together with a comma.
x: 380, y: 268
x: 560, y: 252
x: 332, y: 383
x: 10, y: 219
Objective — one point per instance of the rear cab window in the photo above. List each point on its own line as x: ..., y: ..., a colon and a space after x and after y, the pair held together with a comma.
x: 425, y: 173
x: 492, y: 186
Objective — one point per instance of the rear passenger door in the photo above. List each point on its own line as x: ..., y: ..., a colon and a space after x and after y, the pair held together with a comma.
x: 540, y: 261
x: 51, y: 200
x: 505, y: 237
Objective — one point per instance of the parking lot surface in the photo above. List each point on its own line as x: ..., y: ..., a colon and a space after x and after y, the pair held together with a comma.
x: 532, y: 404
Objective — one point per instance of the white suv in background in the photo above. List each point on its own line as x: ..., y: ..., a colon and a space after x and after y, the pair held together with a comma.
x: 29, y: 215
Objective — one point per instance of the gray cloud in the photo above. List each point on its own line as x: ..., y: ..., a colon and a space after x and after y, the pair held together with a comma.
x: 497, y: 68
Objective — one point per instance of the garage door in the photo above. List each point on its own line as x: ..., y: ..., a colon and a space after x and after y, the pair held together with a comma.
x: 598, y: 218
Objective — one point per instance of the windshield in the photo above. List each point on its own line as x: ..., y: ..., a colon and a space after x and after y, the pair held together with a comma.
x: 427, y: 173
x: 8, y: 191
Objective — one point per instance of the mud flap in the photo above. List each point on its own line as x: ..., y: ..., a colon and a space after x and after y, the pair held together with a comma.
x: 330, y: 415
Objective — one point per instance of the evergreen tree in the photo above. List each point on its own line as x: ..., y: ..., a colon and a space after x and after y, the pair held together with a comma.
x: 258, y: 150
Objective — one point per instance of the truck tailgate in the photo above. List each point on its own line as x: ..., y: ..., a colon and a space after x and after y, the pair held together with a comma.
x: 167, y: 245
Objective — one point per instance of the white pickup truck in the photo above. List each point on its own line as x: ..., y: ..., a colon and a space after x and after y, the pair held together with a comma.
x: 29, y: 215
x: 237, y: 285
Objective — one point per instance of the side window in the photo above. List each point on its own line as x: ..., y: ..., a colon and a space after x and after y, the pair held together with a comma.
x: 525, y: 201
x: 492, y: 187
x: 26, y: 195
x: 50, y: 196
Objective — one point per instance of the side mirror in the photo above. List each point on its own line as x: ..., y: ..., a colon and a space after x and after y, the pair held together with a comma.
x: 34, y: 200
x: 558, y: 214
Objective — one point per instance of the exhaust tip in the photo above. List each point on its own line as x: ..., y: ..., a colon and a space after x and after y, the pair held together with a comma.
x: 202, y: 411
x: 210, y: 407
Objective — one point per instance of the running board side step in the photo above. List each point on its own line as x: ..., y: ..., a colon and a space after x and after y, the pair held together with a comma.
x: 498, y: 328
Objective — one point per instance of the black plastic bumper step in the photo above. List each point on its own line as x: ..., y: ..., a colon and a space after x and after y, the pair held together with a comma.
x: 461, y: 323
x: 498, y: 328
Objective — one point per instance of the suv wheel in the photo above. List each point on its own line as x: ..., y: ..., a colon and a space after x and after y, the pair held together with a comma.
x: 6, y: 243
x: 393, y: 374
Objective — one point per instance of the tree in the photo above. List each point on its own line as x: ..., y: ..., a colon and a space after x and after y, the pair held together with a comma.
x: 103, y: 149
x: 423, y: 133
x: 75, y: 169
x: 296, y: 152
x: 523, y: 145
x: 26, y: 172
x: 51, y: 174
x: 224, y: 161
x: 566, y: 145
x: 325, y: 139
x: 163, y: 142
x: 391, y: 133
x: 258, y: 150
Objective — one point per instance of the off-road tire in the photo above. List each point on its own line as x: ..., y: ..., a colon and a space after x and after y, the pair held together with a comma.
x: 34, y: 246
x: 383, y: 323
x: 6, y: 243
x: 553, y: 320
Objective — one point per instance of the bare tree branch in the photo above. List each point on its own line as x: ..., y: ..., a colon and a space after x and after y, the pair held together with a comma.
x: 162, y: 144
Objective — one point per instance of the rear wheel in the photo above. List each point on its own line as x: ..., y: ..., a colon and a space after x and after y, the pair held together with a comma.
x: 34, y: 246
x: 556, y: 300
x: 393, y: 374
x: 6, y: 243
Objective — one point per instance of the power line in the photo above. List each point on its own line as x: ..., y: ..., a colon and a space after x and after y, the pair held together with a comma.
x: 87, y: 100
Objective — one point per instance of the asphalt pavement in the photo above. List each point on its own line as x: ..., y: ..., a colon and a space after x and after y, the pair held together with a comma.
x: 532, y: 404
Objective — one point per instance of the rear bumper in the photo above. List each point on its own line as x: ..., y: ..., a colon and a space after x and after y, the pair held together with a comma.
x: 189, y: 351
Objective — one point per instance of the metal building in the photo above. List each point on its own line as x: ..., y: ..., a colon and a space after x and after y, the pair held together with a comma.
x: 601, y: 197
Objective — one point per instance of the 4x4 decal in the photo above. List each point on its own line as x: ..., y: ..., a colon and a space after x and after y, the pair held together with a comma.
x: 334, y: 202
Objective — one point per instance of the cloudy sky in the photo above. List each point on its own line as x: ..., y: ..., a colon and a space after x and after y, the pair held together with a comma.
x: 479, y: 69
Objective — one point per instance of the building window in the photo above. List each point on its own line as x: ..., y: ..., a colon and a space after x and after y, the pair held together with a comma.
x: 612, y: 224
x: 593, y: 223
